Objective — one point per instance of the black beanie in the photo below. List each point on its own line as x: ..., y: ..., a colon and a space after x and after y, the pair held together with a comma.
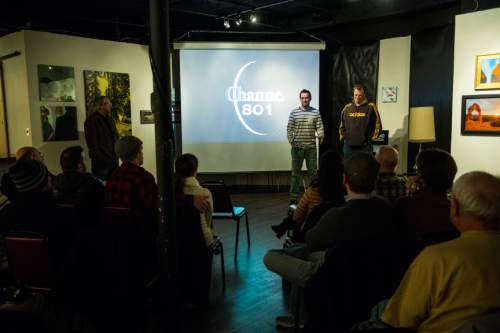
x: 29, y: 175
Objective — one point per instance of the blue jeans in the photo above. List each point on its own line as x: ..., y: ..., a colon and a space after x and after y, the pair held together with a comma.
x: 299, y: 154
x: 347, y: 149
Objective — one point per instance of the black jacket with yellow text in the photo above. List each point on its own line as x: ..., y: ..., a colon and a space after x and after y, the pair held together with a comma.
x: 359, y: 124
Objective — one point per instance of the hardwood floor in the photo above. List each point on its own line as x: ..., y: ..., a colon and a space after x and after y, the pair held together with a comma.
x: 253, y: 296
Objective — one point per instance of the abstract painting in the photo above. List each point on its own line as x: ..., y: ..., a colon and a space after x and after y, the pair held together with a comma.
x: 487, y: 71
x: 116, y: 86
x: 56, y: 83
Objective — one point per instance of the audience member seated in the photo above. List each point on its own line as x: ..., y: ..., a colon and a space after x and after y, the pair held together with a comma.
x: 131, y: 186
x: 8, y: 188
x: 389, y: 185
x: 327, y: 189
x: 364, y: 216
x: 186, y: 169
x: 75, y: 186
x: 426, y: 212
x: 35, y: 209
x: 454, y: 282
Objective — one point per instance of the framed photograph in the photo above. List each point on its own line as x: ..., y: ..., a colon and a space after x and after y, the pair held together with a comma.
x: 56, y: 83
x: 389, y: 94
x: 481, y: 115
x: 116, y: 86
x: 59, y: 123
x: 487, y: 71
x: 147, y: 117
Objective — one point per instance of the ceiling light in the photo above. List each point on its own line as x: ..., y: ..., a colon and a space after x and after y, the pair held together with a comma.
x: 253, y: 18
x: 227, y: 24
x: 239, y: 21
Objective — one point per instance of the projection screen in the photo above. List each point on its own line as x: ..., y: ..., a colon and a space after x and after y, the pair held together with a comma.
x: 235, y: 105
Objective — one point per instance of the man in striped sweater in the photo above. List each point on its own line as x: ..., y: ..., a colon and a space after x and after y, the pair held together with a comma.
x: 304, y: 125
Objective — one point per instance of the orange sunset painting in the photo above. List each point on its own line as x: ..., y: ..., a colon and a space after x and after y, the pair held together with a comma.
x: 481, y: 115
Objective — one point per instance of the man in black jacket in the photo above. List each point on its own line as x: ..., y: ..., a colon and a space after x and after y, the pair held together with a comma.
x: 75, y: 186
x: 359, y: 123
x: 363, y: 217
x: 101, y: 135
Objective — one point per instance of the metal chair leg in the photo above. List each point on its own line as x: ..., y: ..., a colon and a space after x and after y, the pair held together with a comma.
x: 296, y: 329
x: 237, y: 238
x: 248, y: 229
x: 223, y: 269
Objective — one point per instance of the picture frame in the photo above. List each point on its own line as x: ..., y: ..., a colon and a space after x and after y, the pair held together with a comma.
x: 390, y: 94
x: 56, y: 83
x: 115, y: 86
x: 487, y: 71
x: 59, y: 123
x: 481, y: 115
x: 147, y: 117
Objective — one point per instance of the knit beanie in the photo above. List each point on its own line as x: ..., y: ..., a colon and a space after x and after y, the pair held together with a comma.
x: 29, y: 175
x: 127, y: 148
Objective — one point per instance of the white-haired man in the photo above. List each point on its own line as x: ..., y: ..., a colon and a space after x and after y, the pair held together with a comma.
x: 454, y: 282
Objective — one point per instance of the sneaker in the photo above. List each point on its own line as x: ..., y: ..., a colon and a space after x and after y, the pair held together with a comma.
x: 287, y: 322
x: 279, y: 229
x: 292, y: 202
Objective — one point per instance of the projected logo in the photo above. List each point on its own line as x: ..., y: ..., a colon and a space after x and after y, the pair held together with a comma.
x: 253, y: 108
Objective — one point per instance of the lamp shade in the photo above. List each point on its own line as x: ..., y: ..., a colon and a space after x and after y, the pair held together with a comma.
x: 422, y: 124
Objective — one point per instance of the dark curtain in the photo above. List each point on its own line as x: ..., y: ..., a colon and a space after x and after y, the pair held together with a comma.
x: 340, y: 70
x: 431, y: 82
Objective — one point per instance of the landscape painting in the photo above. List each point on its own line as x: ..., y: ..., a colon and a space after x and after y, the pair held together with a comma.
x: 481, y: 115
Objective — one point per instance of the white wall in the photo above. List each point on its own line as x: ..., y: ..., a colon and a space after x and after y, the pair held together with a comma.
x: 394, y: 70
x: 475, y: 33
x: 88, y: 54
x: 16, y: 91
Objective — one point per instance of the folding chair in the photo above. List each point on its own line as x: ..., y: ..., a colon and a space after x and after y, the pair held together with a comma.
x: 224, y: 209
x: 29, y: 263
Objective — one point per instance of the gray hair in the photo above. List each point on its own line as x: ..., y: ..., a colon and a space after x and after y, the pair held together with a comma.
x: 478, y: 193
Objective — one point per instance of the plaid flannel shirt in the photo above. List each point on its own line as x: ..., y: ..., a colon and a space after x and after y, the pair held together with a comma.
x: 391, y: 186
x: 130, y: 186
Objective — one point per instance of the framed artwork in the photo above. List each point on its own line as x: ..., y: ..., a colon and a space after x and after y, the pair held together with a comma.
x: 487, y: 71
x: 389, y: 94
x: 59, y: 123
x: 116, y: 86
x: 56, y: 83
x: 147, y: 117
x: 481, y: 115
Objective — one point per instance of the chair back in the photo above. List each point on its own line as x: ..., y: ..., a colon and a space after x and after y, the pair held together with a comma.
x: 29, y: 263
x: 221, y: 197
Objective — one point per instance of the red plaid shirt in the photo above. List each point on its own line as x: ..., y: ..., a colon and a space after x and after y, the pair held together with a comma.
x: 130, y: 186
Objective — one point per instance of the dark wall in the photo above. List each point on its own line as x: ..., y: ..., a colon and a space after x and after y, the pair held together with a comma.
x: 340, y: 70
x: 431, y: 81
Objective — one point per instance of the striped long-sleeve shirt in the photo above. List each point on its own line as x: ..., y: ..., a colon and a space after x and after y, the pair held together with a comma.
x: 303, y: 126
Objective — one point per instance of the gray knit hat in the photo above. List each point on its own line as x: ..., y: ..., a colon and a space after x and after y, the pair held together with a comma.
x: 29, y: 175
x: 127, y: 148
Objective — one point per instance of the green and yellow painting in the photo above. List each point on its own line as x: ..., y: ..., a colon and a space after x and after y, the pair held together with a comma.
x: 117, y: 87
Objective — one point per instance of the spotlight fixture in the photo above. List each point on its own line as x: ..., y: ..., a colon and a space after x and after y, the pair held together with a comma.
x: 227, y: 24
x: 253, y: 18
x: 239, y: 21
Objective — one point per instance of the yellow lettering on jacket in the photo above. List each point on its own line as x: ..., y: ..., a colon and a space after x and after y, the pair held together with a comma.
x: 357, y: 114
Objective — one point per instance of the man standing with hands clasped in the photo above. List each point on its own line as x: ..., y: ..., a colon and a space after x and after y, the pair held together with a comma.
x: 359, y: 123
x: 304, y: 124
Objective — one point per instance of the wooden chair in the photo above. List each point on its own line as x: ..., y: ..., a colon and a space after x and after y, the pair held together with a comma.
x: 224, y: 209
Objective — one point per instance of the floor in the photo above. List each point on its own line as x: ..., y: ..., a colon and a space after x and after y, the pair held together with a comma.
x: 253, y: 296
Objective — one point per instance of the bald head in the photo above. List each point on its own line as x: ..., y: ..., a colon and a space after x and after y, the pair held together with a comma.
x: 387, y: 157
x: 477, y: 194
x: 29, y: 153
